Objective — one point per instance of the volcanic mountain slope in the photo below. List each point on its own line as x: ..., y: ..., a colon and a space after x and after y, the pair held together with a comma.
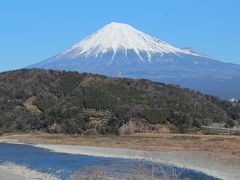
x: 69, y: 102
x: 120, y: 50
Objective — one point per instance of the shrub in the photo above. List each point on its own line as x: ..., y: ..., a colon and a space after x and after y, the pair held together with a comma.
x: 1, y: 132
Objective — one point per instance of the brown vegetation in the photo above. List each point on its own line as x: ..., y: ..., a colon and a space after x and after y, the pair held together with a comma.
x: 29, y: 104
x: 220, y: 144
x: 146, y: 169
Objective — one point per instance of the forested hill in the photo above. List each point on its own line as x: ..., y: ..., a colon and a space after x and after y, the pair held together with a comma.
x: 70, y: 102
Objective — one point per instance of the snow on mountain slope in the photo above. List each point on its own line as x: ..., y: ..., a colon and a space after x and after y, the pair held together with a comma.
x: 118, y: 36
x: 121, y: 50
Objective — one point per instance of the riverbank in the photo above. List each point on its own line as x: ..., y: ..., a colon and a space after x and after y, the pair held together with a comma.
x: 216, y: 144
x: 220, y: 163
x: 200, y: 161
x: 14, y: 172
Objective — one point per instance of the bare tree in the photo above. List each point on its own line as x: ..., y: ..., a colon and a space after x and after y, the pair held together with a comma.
x: 145, y: 169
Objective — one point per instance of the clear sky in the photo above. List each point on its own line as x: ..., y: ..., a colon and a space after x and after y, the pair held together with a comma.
x: 34, y: 30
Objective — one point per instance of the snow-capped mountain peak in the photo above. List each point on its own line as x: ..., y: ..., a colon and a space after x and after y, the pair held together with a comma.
x: 119, y: 36
x: 121, y: 50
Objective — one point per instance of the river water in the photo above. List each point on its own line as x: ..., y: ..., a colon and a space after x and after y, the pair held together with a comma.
x: 64, y: 165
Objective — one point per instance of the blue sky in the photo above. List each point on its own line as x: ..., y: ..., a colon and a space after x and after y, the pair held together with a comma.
x: 31, y: 31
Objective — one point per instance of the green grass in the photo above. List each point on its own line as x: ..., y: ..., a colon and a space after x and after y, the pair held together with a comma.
x: 216, y: 139
x: 1, y: 132
x: 184, y: 138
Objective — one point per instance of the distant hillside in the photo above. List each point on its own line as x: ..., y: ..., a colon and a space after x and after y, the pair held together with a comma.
x: 69, y: 102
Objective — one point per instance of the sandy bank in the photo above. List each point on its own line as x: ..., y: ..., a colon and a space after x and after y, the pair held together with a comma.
x: 14, y: 172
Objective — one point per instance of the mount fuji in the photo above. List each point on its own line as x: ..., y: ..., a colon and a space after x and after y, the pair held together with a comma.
x: 123, y: 51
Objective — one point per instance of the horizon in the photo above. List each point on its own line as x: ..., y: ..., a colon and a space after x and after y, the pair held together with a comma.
x: 43, y: 30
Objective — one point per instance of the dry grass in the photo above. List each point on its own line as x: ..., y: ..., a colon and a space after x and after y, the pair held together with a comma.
x: 223, y: 144
x: 145, y: 169
x: 216, y: 139
x: 184, y: 138
x: 30, y: 106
